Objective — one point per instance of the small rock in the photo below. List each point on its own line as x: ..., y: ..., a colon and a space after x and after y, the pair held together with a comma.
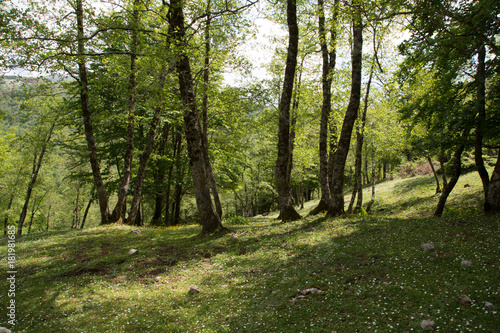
x: 194, y: 290
x: 233, y: 236
x: 4, y: 330
x: 135, y: 231
x: 157, y: 279
x: 427, y: 246
x: 489, y: 306
x: 132, y: 251
x: 427, y: 325
x: 387, y: 284
x: 466, y: 263
x: 463, y: 299
x: 312, y: 290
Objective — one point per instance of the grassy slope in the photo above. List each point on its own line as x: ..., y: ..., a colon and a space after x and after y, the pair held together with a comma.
x: 374, y: 275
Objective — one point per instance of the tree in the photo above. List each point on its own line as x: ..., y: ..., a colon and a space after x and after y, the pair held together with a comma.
x: 340, y: 156
x: 210, y: 220
x: 283, y: 186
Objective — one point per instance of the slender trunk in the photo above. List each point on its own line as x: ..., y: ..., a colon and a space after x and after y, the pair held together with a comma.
x: 118, y: 215
x: 442, y: 158
x: 176, y: 211
x: 481, y: 117
x: 210, y: 220
x: 48, y: 217
x: 76, y: 211
x: 6, y: 220
x: 492, y: 205
x: 457, y: 170
x: 287, y: 211
x: 358, y: 181
x: 438, y: 188
x: 206, y: 82
x: 141, y: 172
x: 37, y: 164
x: 329, y: 60
x: 87, y: 209
x: 372, y: 200
x: 337, y: 184
x: 87, y: 119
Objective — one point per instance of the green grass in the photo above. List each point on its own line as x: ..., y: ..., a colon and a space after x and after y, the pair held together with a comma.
x: 372, y: 270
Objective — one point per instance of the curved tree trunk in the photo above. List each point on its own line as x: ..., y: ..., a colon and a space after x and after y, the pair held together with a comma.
x: 438, y: 188
x: 287, y: 211
x: 209, y: 218
x: 337, y: 183
x: 492, y: 205
x: 457, y: 170
x: 481, y: 117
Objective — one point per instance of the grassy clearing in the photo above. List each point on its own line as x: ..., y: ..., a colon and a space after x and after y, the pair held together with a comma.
x: 371, y: 269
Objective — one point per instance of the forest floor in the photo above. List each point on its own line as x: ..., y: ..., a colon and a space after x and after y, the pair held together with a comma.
x: 359, y: 273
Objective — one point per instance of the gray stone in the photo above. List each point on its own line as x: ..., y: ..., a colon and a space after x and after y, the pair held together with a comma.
x: 489, y: 306
x: 157, y: 279
x: 463, y: 299
x: 427, y: 325
x: 427, y: 246
x: 4, y: 330
x: 194, y: 290
x: 132, y: 251
x: 135, y: 231
x: 466, y: 263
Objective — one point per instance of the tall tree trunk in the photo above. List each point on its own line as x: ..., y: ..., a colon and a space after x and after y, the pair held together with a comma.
x: 285, y: 202
x: 210, y: 220
x: 141, y: 172
x: 329, y: 60
x: 206, y: 82
x: 492, y: 205
x: 481, y: 117
x: 337, y: 184
x: 457, y: 170
x: 360, y: 134
x: 118, y: 215
x: 33, y: 211
x: 88, y: 208
x: 438, y: 188
x: 87, y: 119
x: 37, y: 164
x: 48, y: 217
x: 372, y: 200
x: 442, y: 160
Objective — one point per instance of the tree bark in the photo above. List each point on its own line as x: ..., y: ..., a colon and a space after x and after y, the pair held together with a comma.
x: 285, y: 202
x: 337, y: 184
x: 118, y: 215
x: 87, y: 119
x: 48, y: 217
x: 210, y: 220
x: 481, y: 117
x: 438, y: 188
x: 372, y: 200
x: 360, y: 134
x: 87, y: 209
x: 457, y: 170
x: 206, y: 82
x: 141, y: 172
x: 329, y: 60
x: 492, y: 205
